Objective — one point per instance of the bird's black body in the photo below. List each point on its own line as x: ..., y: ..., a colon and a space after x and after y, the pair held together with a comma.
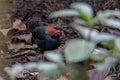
x: 43, y: 40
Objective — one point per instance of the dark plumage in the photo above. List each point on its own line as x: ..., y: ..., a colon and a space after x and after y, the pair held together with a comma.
x: 46, y: 37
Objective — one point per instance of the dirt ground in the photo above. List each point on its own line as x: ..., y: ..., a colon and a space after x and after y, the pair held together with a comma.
x: 34, y: 13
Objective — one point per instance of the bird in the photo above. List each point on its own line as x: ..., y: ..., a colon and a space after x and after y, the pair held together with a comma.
x: 46, y: 37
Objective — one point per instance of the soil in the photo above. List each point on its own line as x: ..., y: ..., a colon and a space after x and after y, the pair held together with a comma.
x: 34, y: 13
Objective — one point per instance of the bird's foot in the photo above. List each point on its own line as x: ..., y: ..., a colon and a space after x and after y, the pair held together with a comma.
x: 43, y: 57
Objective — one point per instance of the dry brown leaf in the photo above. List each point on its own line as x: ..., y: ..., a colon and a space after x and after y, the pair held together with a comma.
x: 108, y: 78
x: 34, y: 73
x: 25, y: 37
x: 5, y: 31
x: 35, y: 45
x: 62, y: 78
x: 16, y: 46
x: 18, y: 24
x: 23, y: 53
x: 117, y: 9
x: 98, y: 75
x: 23, y: 74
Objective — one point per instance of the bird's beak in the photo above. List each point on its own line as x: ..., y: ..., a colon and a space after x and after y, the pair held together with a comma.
x: 62, y: 35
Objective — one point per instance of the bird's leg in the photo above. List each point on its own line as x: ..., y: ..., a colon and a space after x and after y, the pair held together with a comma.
x: 42, y: 56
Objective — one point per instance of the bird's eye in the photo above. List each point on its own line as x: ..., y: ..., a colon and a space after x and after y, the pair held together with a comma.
x: 58, y: 34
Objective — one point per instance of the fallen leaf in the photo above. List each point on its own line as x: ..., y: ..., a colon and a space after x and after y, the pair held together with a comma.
x: 26, y: 47
x: 108, y: 78
x: 12, y: 32
x: 34, y: 73
x: 33, y: 58
x: 23, y: 53
x: 15, y: 46
x: 117, y: 9
x: 18, y: 24
x: 5, y: 31
x: 35, y: 45
x: 97, y: 75
x: 25, y: 37
x: 23, y: 74
x: 62, y: 78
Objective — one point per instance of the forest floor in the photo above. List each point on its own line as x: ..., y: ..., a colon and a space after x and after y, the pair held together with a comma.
x: 27, y: 14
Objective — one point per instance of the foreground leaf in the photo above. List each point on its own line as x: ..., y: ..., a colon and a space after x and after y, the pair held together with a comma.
x: 13, y: 72
x: 78, y: 50
x: 111, y: 13
x: 47, y: 66
x: 65, y: 12
x: 54, y: 56
x: 106, y: 64
x: 107, y: 14
x: 94, y: 35
x: 30, y: 65
x: 83, y: 8
x: 113, y: 23
x: 80, y: 21
x: 117, y: 43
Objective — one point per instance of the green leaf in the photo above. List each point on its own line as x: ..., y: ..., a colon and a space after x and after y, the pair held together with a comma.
x: 94, y: 34
x: 85, y: 31
x: 54, y: 56
x: 80, y: 21
x: 113, y: 23
x: 117, y: 43
x: 102, y: 66
x: 84, y: 17
x: 101, y: 51
x: 106, y: 14
x: 103, y: 37
x: 108, y: 63
x: 47, y: 66
x: 100, y: 15
x: 111, y: 13
x: 77, y: 50
x: 30, y: 65
x: 63, y: 13
x: 83, y: 8
x: 12, y: 72
x: 97, y: 56
x: 110, y: 60
x: 109, y: 44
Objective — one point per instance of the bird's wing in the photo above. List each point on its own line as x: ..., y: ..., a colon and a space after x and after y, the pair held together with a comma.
x: 39, y: 33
